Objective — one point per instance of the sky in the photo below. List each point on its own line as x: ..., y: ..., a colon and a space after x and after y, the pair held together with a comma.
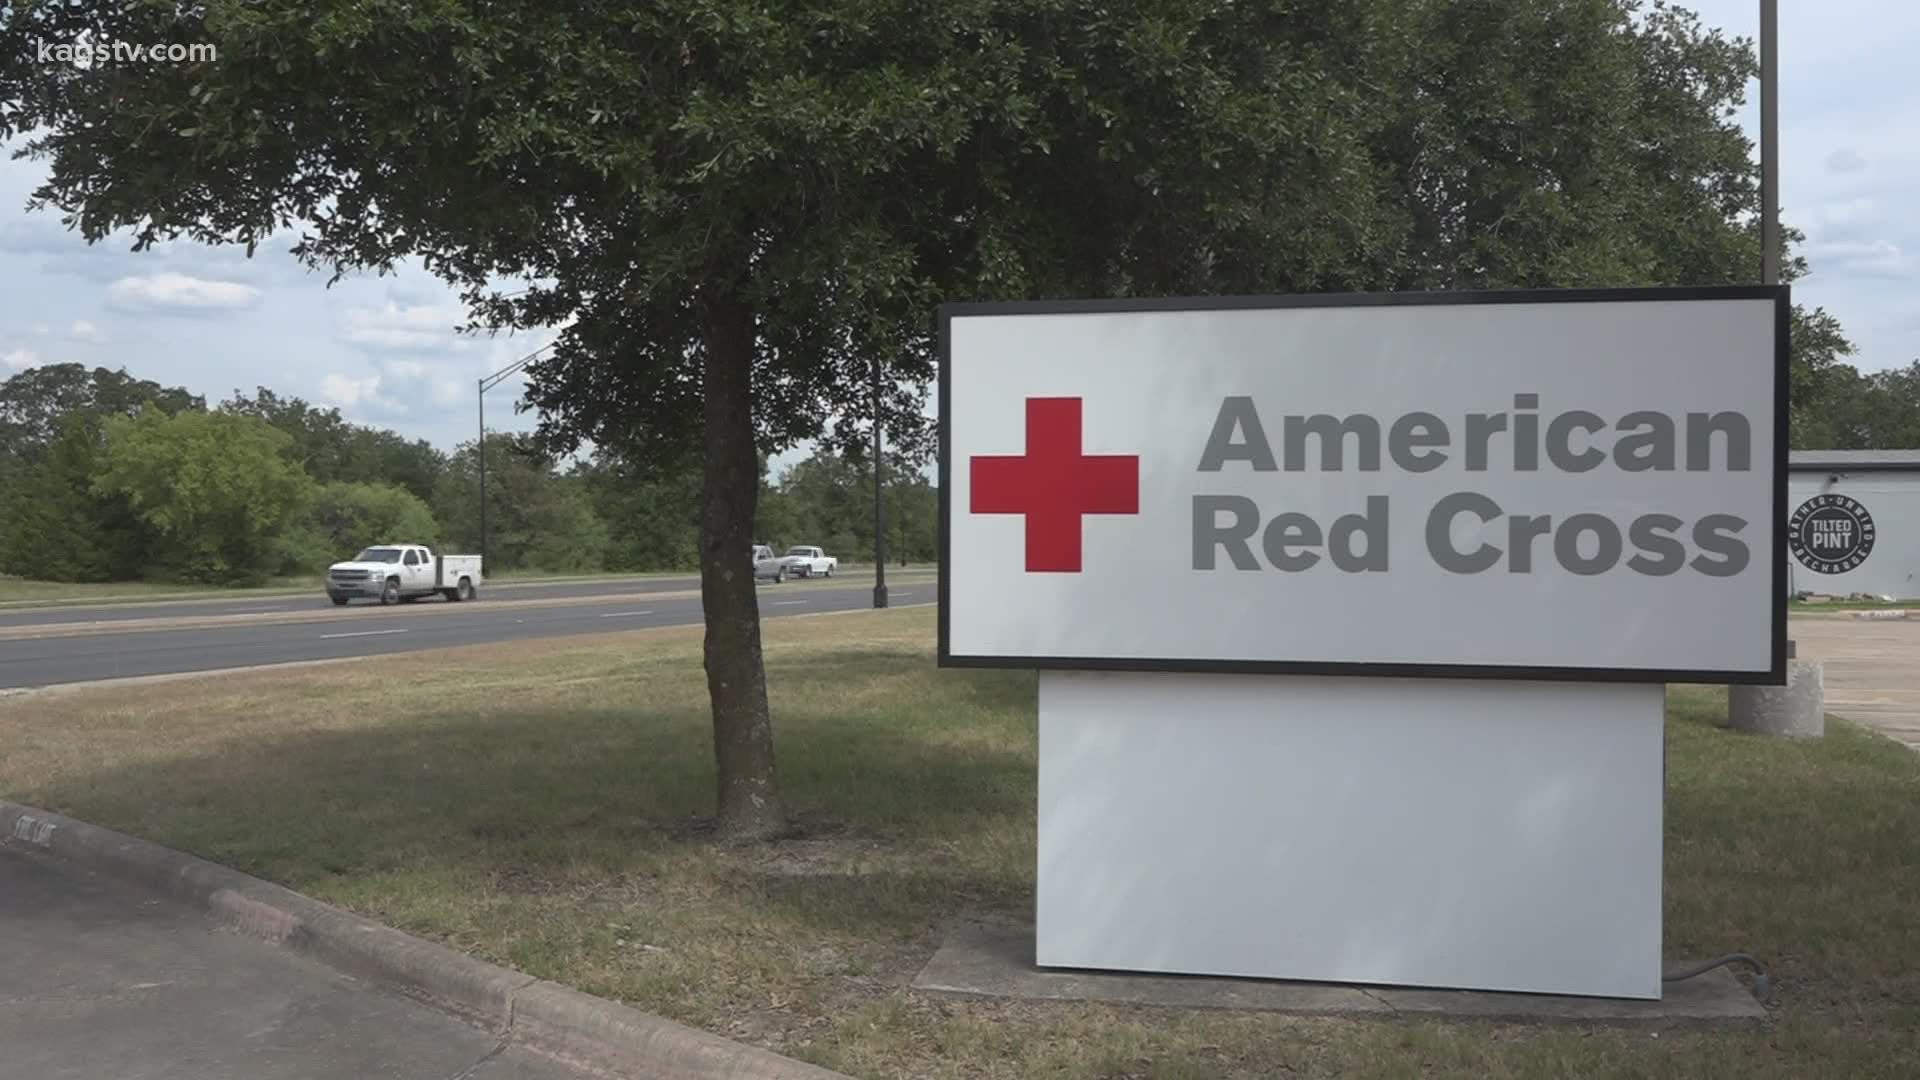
x: 385, y: 350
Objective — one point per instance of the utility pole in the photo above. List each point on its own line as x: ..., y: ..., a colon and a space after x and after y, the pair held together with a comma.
x: 879, y: 511
x: 1770, y: 142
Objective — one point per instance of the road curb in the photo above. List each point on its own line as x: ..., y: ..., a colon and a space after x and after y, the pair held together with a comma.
x: 541, y: 1015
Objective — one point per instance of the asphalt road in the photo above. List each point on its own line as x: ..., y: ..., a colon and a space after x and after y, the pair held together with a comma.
x: 169, y: 609
x: 371, y: 630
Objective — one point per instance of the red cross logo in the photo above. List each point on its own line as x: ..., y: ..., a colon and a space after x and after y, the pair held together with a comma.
x: 1054, y: 484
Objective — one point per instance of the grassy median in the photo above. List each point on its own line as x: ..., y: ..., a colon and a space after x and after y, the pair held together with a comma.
x: 542, y: 805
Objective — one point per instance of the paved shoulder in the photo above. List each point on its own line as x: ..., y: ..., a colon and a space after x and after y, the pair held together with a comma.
x: 102, y: 979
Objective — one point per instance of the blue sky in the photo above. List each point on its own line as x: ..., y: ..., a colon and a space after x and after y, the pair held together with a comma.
x: 384, y: 349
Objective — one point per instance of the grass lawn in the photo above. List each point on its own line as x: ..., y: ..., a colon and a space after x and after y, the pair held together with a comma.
x: 22, y: 592
x: 539, y: 804
x: 1800, y: 607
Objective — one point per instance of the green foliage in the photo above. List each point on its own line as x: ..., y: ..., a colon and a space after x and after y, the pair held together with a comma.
x: 331, y: 450
x: 347, y: 517
x: 55, y: 527
x: 652, y: 511
x: 537, y: 517
x: 63, y: 518
x: 1879, y: 411
x: 216, y: 488
x: 833, y: 171
x: 37, y: 403
x: 827, y: 499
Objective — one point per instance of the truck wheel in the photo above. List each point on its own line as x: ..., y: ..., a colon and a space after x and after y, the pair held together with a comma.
x: 464, y: 591
x: 828, y: 572
x: 390, y: 594
x: 780, y: 576
x: 338, y: 601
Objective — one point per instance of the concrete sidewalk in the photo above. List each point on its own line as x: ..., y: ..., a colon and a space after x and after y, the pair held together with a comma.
x: 102, y: 981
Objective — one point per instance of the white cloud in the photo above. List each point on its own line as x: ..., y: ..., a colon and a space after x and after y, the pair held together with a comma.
x: 405, y: 369
x: 1869, y: 258
x: 1843, y: 215
x: 364, y: 392
x: 179, y: 293
x: 346, y: 391
x: 82, y: 330
x: 42, y: 329
x: 446, y: 393
x: 37, y: 234
x: 19, y: 359
x: 1845, y: 160
x: 402, y: 327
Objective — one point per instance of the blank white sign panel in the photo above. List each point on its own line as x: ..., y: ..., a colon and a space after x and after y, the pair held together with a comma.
x: 1496, y: 835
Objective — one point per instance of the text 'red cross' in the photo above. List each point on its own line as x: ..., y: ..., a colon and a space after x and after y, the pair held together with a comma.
x: 1054, y: 485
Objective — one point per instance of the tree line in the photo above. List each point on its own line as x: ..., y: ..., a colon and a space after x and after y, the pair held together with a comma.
x: 105, y: 476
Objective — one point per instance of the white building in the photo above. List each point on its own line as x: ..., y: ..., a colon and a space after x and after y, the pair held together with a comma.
x: 1854, y: 524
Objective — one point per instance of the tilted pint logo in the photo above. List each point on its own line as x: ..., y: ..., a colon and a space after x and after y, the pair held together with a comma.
x: 1831, y: 534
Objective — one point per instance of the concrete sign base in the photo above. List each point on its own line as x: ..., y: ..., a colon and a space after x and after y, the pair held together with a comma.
x: 1444, y: 833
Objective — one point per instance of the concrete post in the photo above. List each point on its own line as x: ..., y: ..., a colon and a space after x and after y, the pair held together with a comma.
x: 1796, y: 710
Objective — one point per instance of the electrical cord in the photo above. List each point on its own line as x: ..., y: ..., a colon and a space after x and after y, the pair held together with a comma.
x: 1762, y: 984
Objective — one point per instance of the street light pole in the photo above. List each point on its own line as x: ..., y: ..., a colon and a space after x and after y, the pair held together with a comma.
x: 879, y: 512
x: 1770, y: 142
x: 480, y: 448
x: 1761, y: 708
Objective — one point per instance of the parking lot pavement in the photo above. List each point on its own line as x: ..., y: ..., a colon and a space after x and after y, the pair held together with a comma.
x: 100, y: 980
x: 1868, y: 670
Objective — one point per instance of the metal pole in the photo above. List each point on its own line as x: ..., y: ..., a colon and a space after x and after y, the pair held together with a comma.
x: 480, y: 450
x: 879, y: 512
x: 1770, y: 142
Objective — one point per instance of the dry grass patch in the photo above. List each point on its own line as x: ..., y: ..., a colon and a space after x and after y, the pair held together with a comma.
x: 542, y: 805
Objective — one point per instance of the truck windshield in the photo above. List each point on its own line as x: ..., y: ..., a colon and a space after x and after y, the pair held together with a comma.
x: 800, y: 551
x: 378, y: 555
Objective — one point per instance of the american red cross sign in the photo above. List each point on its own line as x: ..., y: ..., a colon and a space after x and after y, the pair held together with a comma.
x: 1054, y: 485
x: 1537, y: 485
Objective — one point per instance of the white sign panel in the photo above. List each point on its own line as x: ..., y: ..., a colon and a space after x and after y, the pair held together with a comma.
x: 1578, y: 485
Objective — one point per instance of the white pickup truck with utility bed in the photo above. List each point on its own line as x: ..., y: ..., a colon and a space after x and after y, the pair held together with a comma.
x: 393, y: 573
x: 808, y: 562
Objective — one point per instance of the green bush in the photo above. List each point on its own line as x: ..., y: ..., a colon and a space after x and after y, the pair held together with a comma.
x: 344, y: 517
x: 216, y: 489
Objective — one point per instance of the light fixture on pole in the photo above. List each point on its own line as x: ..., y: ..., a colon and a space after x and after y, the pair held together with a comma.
x: 480, y: 448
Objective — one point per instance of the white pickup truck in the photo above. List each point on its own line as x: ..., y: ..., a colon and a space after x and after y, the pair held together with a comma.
x: 808, y: 562
x: 392, y: 573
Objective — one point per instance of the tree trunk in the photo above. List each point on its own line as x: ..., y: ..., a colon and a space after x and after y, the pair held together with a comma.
x: 749, y: 797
